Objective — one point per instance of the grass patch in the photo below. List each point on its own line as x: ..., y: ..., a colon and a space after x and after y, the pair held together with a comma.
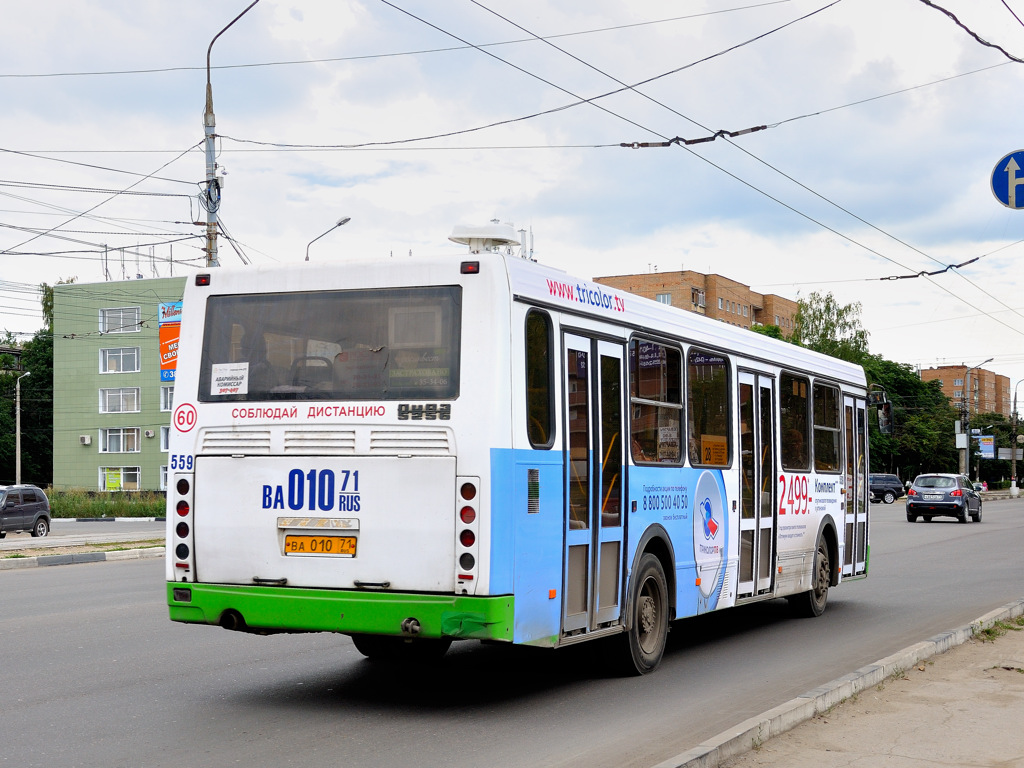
x: 78, y: 502
x: 999, y: 628
x: 136, y: 545
x: 15, y: 556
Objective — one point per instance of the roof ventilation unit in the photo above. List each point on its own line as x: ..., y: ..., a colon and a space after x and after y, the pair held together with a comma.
x: 486, y: 239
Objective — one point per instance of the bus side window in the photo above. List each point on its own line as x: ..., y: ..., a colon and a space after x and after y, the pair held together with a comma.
x: 827, y: 449
x: 540, y: 407
x: 793, y: 401
x: 655, y: 397
x: 708, y: 400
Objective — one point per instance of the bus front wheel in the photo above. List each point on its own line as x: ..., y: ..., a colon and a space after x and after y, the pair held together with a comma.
x: 812, y: 602
x: 649, y: 630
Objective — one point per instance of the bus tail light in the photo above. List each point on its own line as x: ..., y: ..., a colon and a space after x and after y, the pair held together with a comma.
x: 467, y: 532
x: 183, y: 544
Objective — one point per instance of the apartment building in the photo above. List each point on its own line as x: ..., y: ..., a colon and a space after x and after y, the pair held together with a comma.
x: 114, y: 355
x: 714, y: 296
x: 986, y: 392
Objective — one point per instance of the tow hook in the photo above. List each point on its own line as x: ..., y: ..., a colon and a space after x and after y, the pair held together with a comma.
x: 411, y: 626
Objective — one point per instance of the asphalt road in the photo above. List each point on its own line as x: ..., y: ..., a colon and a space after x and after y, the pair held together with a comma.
x: 94, y: 673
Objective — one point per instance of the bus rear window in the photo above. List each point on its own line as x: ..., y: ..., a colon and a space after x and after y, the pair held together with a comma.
x: 333, y: 345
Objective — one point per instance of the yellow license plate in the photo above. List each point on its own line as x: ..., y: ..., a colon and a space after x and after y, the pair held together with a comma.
x: 343, y: 546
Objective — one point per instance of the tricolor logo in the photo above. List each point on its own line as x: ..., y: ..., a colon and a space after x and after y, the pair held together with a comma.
x: 710, y: 525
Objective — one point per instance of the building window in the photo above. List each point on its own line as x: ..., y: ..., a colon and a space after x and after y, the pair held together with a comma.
x: 165, y: 438
x: 119, y: 478
x: 123, y: 360
x: 119, y: 400
x: 958, y: 394
x: 655, y: 399
x: 663, y: 298
x: 746, y: 310
x: 119, y: 440
x: 956, y: 382
x: 719, y: 302
x: 697, y: 296
x: 163, y: 477
x: 167, y: 398
x: 121, y: 320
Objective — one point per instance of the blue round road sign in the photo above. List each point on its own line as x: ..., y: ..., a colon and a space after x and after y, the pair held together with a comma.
x: 1008, y: 180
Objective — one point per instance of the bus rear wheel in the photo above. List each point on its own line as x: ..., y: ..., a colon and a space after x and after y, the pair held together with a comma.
x: 391, y: 648
x: 649, y: 630
x: 812, y: 602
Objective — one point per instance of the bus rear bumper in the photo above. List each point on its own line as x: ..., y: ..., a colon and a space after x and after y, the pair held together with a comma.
x: 263, y: 609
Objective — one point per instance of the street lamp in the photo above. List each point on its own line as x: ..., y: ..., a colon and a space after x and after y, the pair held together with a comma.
x: 341, y: 222
x: 210, y: 196
x: 1014, y: 491
x: 17, y: 427
x: 966, y: 455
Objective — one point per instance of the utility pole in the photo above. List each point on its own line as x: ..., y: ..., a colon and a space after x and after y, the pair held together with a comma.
x: 17, y: 427
x: 965, y: 460
x: 210, y: 197
x: 1014, y: 490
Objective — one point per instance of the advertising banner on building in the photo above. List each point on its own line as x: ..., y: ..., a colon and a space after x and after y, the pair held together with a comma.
x: 169, y: 312
x: 169, y: 350
x: 170, y: 328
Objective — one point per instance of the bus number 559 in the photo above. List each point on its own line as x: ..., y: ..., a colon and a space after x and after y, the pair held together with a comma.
x: 181, y: 461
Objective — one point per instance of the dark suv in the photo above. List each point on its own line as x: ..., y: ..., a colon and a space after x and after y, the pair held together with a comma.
x: 885, y: 488
x: 24, y: 508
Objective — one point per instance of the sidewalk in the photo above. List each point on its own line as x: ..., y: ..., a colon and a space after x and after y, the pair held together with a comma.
x: 957, y: 699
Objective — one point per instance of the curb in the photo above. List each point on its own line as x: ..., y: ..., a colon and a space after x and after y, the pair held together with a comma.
x: 12, y: 563
x: 108, y: 519
x: 746, y: 735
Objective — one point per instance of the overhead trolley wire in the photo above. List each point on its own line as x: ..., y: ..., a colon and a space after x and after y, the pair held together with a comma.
x: 682, y: 144
x: 102, y: 202
x: 579, y: 99
x: 617, y: 27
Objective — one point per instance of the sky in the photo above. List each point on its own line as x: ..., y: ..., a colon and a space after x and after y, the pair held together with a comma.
x: 884, y: 122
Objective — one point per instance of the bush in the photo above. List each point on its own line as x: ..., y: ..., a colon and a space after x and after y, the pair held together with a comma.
x: 81, y: 503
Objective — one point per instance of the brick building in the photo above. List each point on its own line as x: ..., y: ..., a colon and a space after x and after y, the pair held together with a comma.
x: 714, y: 296
x: 989, y: 392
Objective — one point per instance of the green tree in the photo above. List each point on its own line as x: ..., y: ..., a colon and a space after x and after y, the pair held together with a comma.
x: 36, y: 414
x: 47, y: 299
x: 824, y: 325
x: 769, y: 330
x: 923, y: 422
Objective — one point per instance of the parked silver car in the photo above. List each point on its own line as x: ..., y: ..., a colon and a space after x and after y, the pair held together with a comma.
x: 943, y: 495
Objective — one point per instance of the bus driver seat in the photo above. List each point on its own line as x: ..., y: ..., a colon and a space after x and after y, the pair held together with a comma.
x: 262, y: 375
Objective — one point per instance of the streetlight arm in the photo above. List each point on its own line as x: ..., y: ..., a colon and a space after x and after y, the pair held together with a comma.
x: 209, y: 51
x: 340, y: 223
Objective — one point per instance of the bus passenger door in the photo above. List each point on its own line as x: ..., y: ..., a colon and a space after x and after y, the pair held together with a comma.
x: 757, y: 495
x: 856, y: 516
x: 594, y: 520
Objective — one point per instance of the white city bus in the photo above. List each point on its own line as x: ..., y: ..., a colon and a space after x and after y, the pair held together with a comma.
x: 481, y: 447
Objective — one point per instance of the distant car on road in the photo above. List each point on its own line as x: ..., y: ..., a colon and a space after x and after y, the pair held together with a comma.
x: 24, y: 508
x: 885, y: 488
x: 943, y: 495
